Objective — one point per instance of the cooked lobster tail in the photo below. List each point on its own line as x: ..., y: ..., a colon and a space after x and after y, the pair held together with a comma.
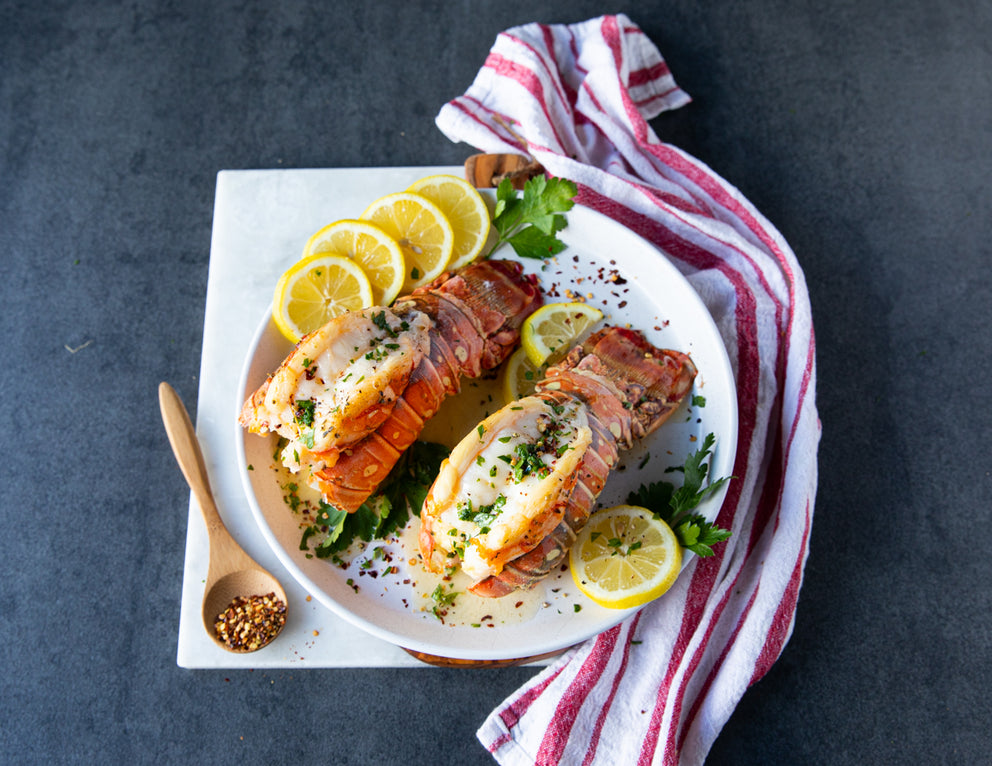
x: 613, y: 389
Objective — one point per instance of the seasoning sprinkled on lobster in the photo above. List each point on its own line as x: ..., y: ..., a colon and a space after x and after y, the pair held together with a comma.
x: 510, y: 499
x: 354, y: 395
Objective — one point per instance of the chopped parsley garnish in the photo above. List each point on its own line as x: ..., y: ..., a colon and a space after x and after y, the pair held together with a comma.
x: 379, y: 320
x: 527, y: 461
x: 304, y: 412
x: 441, y: 600
x: 484, y: 515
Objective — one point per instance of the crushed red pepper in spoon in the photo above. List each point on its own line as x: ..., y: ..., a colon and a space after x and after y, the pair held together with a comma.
x: 249, y: 623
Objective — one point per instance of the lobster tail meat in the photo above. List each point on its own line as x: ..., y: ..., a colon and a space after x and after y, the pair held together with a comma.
x: 340, y: 382
x: 356, y: 393
x: 510, y: 499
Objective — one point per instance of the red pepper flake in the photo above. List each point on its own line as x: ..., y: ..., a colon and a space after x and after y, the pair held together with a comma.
x: 250, y: 623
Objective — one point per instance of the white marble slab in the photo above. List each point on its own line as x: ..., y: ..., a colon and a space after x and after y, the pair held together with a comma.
x: 262, y: 218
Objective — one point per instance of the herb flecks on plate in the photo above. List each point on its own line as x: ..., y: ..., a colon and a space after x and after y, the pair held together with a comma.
x: 530, y: 223
x: 675, y: 506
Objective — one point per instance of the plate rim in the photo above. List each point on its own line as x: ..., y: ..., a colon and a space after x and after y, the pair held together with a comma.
x: 611, y: 617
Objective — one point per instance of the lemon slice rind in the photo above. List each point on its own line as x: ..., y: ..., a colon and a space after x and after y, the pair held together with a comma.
x: 518, y: 376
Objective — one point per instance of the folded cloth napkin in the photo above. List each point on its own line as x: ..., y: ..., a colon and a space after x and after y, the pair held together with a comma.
x: 659, y: 687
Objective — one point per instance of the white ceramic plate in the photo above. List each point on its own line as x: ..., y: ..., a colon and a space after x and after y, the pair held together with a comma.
x: 632, y: 282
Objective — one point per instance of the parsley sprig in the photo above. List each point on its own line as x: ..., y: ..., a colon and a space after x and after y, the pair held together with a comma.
x: 530, y: 223
x: 675, y: 506
x: 387, y: 511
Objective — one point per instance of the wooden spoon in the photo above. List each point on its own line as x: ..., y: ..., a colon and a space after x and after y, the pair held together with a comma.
x: 231, y: 572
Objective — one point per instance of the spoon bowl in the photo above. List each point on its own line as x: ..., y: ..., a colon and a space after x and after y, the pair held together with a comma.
x: 232, y: 573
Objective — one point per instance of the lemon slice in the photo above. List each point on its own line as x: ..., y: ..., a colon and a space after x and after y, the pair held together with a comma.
x: 550, y: 331
x: 316, y: 289
x: 370, y: 247
x: 465, y: 210
x: 518, y: 377
x: 625, y: 557
x: 422, y: 231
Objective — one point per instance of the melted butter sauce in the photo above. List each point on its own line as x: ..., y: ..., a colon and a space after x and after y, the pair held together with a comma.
x: 459, y: 414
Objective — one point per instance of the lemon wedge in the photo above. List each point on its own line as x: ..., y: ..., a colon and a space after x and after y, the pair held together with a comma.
x: 465, y: 210
x: 549, y: 332
x: 370, y: 247
x: 624, y: 557
x: 422, y: 231
x: 316, y: 289
x: 518, y: 376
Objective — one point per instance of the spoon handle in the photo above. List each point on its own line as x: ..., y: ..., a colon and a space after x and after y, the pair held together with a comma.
x: 186, y: 448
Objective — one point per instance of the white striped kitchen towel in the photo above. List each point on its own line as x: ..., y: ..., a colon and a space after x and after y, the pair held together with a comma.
x: 658, y: 688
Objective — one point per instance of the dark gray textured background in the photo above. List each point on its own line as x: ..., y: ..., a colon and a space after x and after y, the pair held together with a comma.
x: 861, y: 128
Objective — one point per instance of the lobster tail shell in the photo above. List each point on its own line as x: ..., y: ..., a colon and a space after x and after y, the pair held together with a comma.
x: 479, y: 311
x: 625, y: 381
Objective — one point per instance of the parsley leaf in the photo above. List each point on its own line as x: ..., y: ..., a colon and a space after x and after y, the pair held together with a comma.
x: 334, y: 519
x: 530, y: 223
x: 675, y: 506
